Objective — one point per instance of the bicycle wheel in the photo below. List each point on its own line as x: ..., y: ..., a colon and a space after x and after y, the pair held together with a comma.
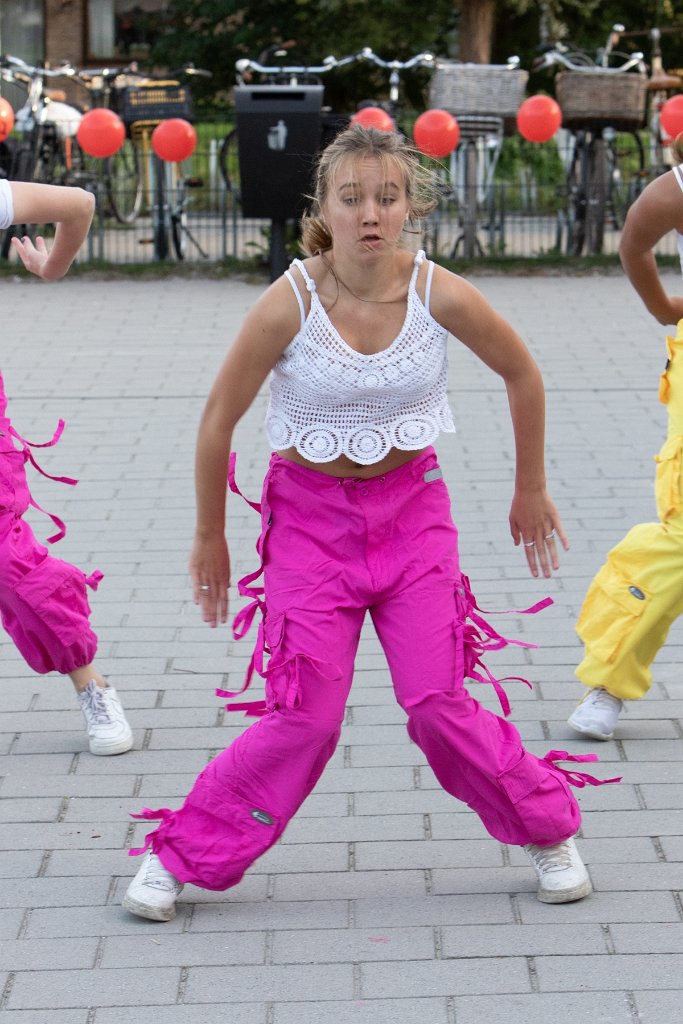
x: 596, y: 196
x: 123, y: 179
x: 228, y: 159
x: 626, y: 176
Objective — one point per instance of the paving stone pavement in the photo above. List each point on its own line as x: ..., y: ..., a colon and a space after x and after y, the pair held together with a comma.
x: 385, y: 900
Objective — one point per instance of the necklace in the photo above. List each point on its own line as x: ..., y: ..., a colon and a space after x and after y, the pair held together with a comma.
x: 338, y: 281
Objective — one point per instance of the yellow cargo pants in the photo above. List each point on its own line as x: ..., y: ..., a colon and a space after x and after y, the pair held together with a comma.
x: 637, y: 594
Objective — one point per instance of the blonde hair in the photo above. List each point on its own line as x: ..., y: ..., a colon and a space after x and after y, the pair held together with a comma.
x: 358, y: 143
x: 677, y: 148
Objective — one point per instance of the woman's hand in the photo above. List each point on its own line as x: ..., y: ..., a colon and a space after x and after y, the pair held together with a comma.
x: 535, y: 523
x: 210, y: 571
x: 34, y: 257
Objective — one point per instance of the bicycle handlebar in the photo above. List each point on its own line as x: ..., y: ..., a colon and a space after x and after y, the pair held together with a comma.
x: 425, y: 59
x: 246, y: 64
x: 558, y: 56
x: 15, y: 66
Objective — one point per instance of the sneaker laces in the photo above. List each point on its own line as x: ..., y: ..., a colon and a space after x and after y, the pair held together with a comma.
x: 551, y: 858
x: 95, y: 703
x: 601, y: 698
x: 157, y: 876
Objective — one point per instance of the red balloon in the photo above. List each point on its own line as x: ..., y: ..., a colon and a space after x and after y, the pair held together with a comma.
x: 671, y: 116
x: 101, y: 132
x: 538, y: 118
x: 374, y: 117
x: 436, y: 133
x: 6, y: 118
x: 174, y: 140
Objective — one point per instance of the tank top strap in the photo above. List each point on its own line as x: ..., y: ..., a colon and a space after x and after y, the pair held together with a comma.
x: 419, y: 260
x: 308, y: 281
x: 678, y: 175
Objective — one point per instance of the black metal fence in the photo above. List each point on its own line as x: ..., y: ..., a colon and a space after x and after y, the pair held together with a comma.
x: 511, y: 200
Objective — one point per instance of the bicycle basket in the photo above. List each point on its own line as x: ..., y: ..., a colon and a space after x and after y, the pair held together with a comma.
x: 489, y: 89
x: 599, y: 98
x: 154, y: 101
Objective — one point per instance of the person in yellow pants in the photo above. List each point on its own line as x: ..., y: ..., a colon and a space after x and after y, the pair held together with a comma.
x: 637, y: 594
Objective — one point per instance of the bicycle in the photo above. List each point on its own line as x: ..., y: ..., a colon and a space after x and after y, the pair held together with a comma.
x: 123, y: 173
x: 143, y: 106
x: 47, y: 150
x: 603, y: 109
x: 660, y: 86
x: 484, y: 99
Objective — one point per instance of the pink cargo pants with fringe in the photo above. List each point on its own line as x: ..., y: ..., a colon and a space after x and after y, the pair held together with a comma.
x: 43, y: 602
x: 333, y: 549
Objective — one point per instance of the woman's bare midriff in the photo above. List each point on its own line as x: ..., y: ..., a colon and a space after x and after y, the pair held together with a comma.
x: 345, y: 467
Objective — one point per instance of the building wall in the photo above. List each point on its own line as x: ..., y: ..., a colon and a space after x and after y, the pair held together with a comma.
x: 65, y: 31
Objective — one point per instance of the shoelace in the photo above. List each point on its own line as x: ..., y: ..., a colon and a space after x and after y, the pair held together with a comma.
x: 602, y: 699
x: 157, y: 876
x: 96, y: 704
x: 556, y: 858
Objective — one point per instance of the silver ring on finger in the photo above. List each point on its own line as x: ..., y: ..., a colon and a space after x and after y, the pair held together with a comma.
x: 205, y: 588
x: 550, y: 536
x: 529, y: 543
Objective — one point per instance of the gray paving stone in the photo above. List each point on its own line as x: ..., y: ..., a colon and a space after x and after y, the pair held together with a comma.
x: 540, y: 1008
x: 571, y: 973
x: 444, y: 977
x: 184, y: 950
x: 364, y: 1011
x: 272, y: 983
x: 48, y: 954
x: 82, y: 988
x: 203, y: 1013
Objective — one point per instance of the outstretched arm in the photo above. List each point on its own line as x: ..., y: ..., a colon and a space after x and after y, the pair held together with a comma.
x: 657, y: 211
x: 534, y: 520
x: 70, y: 209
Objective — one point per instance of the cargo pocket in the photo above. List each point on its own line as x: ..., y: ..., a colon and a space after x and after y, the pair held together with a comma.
x: 55, y: 591
x: 668, y: 479
x: 282, y: 680
x: 526, y: 787
x: 14, y: 493
x: 223, y: 832
x: 610, y: 612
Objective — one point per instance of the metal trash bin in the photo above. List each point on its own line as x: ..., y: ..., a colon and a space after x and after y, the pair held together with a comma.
x: 278, y: 133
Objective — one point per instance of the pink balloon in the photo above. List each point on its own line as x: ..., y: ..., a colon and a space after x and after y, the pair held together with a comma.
x: 538, y: 118
x: 174, y: 140
x: 671, y: 116
x: 374, y: 117
x: 101, y: 132
x: 436, y: 133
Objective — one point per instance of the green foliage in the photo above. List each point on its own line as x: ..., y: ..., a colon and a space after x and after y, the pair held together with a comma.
x: 215, y: 33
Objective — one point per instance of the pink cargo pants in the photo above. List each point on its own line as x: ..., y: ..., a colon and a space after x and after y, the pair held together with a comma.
x: 43, y: 602
x: 332, y: 550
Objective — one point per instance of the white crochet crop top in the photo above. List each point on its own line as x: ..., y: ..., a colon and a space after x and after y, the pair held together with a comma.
x: 328, y: 400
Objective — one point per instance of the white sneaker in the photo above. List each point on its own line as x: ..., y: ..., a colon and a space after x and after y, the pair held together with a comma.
x: 597, y: 714
x: 108, y: 730
x: 153, y: 891
x: 561, y: 872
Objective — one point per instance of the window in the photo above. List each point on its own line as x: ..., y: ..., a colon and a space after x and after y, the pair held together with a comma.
x: 22, y: 29
x: 124, y: 29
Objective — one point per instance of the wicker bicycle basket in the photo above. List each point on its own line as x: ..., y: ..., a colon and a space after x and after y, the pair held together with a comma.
x: 599, y: 98
x: 488, y: 89
x: 154, y: 101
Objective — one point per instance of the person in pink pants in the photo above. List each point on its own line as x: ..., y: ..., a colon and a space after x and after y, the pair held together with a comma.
x: 43, y: 600
x: 356, y: 519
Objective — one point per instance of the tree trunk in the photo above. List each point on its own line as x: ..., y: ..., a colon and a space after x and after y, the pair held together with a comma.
x: 476, y: 30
